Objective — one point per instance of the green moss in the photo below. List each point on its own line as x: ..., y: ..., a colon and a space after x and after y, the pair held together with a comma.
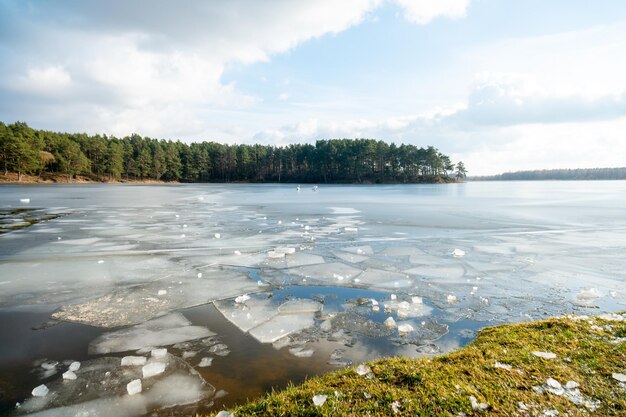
x: 442, y: 386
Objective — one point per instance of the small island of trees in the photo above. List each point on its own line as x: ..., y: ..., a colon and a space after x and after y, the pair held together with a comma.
x: 24, y: 150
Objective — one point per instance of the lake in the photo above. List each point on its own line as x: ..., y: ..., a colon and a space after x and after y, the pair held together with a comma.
x: 249, y: 287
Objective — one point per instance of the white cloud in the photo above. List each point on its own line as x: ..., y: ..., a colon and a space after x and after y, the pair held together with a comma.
x: 423, y: 11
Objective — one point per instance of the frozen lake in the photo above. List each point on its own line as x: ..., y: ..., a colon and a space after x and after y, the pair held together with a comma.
x: 249, y: 287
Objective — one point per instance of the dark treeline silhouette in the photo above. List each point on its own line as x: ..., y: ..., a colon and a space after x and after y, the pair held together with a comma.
x: 24, y: 150
x: 559, y: 174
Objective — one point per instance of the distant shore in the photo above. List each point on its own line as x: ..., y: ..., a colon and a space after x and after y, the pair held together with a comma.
x: 51, y: 178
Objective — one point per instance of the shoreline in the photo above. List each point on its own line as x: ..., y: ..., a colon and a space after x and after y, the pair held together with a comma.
x: 572, y: 365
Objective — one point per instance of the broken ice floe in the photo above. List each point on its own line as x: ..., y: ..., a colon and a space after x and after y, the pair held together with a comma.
x: 319, y: 400
x: 544, y: 355
x: 167, y: 330
x: 105, y: 388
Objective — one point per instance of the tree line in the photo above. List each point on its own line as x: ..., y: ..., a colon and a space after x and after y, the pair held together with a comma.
x: 24, y: 150
x: 579, y: 174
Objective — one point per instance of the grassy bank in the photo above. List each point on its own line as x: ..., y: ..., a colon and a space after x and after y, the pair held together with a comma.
x: 502, y: 373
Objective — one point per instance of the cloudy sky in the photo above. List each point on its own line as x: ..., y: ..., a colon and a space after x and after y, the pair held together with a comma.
x: 501, y: 84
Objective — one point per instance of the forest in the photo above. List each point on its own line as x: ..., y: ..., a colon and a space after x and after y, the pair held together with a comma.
x: 24, y: 150
x: 579, y: 174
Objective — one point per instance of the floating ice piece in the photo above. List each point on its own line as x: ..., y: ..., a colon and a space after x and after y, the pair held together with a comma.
x: 25, y: 200
x: 74, y: 366
x: 405, y: 328
x: 152, y: 369
x: 280, y: 326
x: 101, y: 261
x: 458, y: 253
x: 224, y: 413
x: 242, y: 298
x: 476, y: 405
x: 326, y: 325
x: 319, y: 400
x: 393, y: 297
x: 199, y: 274
x: 417, y: 300
x: 40, y: 391
x: 162, y: 292
x: 363, y: 369
x: 134, y: 387
x: 301, y: 352
x: 390, y: 322
x: 238, y: 253
x: 205, y: 362
x: 69, y: 375
x: 451, y: 299
x: 504, y: 366
x: 166, y: 330
x: 49, y: 365
x: 544, y: 355
x: 159, y: 353
x: 134, y: 361
x: 350, y: 229
x: 588, y: 294
x: 217, y: 236
x: 619, y: 377
x: 572, y: 385
x: 553, y: 386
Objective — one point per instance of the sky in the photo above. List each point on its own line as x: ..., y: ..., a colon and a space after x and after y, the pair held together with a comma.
x: 502, y: 85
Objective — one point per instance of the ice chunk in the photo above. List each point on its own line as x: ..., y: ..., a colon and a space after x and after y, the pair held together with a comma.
x: 159, y: 353
x: 588, y: 294
x: 152, y: 369
x: 217, y: 236
x: 544, y: 355
x: 350, y: 229
x: 619, y: 377
x: 396, y: 406
x: 553, y: 386
x: 443, y: 271
x: 458, y: 253
x: 393, y: 297
x: 69, y: 375
x: 572, y: 385
x: 275, y: 255
x: 476, y: 405
x: 74, y: 366
x: 504, y: 366
x: 166, y: 330
x: 40, y: 391
x: 319, y: 400
x: 326, y: 271
x: 205, y: 362
x: 359, y: 250
x: 451, y: 299
x: 224, y: 413
x: 385, y: 279
x: 405, y: 328
x: 134, y: 387
x: 301, y: 352
x: 363, y: 369
x: 49, y: 365
x: 162, y: 292
x: 281, y: 326
x: 242, y: 298
x: 25, y: 200
x: 390, y: 322
x: 134, y: 360
x: 417, y: 300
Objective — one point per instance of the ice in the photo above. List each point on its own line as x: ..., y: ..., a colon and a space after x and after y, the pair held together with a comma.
x: 162, y: 292
x: 40, y: 391
x: 281, y: 326
x: 385, y: 279
x: 587, y: 294
x: 285, y: 250
x: 619, y: 377
x: 326, y: 272
x: 319, y: 400
x: 405, y: 328
x: 74, y: 366
x: 25, y: 200
x: 451, y: 299
x: 444, y: 271
x: 242, y: 298
x: 158, y: 353
x: 390, y: 322
x: 275, y: 255
x: 300, y: 352
x: 205, y: 362
x: 479, y: 406
x: 504, y: 366
x: 69, y: 375
x: 133, y: 361
x: 351, y: 257
x: 350, y: 229
x: 300, y: 305
x: 359, y: 250
x: 152, y: 369
x: 544, y: 355
x: 458, y: 253
x: 166, y: 330
x: 363, y: 369
x: 134, y: 387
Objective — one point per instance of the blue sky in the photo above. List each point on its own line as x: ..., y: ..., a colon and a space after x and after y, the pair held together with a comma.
x: 502, y: 85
